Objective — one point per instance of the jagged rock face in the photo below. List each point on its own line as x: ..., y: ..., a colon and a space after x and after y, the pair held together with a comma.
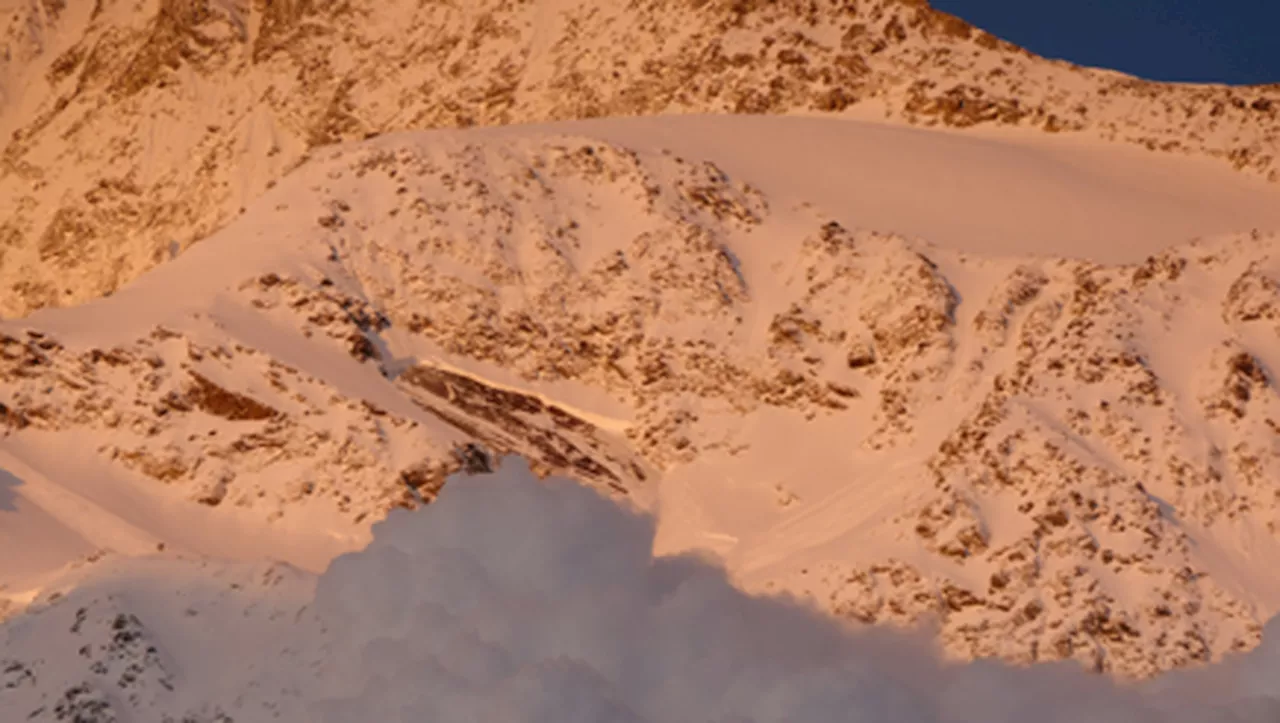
x: 1078, y: 481
x: 133, y: 130
x: 290, y: 440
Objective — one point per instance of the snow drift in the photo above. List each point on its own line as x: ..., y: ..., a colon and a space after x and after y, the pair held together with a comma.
x: 511, y: 599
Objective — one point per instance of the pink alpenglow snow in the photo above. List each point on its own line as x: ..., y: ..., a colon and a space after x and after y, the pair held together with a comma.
x: 514, y: 599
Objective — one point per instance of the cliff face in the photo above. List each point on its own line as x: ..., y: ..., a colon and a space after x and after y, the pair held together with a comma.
x: 132, y: 130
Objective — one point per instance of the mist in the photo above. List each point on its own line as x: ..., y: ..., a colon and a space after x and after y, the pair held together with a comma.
x: 517, y: 600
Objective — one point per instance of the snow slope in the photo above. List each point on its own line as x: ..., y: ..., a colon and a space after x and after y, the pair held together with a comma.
x: 134, y: 128
x: 1050, y: 457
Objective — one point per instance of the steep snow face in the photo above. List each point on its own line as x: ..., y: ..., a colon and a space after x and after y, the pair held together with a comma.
x: 1052, y: 458
x: 133, y: 129
x: 512, y: 599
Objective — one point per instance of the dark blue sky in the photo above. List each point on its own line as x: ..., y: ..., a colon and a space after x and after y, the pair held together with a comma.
x: 1226, y: 41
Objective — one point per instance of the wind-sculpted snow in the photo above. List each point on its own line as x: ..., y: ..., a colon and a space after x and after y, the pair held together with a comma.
x: 513, y: 599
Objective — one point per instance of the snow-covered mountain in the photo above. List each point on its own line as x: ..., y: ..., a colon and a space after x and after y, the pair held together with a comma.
x: 133, y: 129
x: 1055, y: 458
x: 1015, y: 385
